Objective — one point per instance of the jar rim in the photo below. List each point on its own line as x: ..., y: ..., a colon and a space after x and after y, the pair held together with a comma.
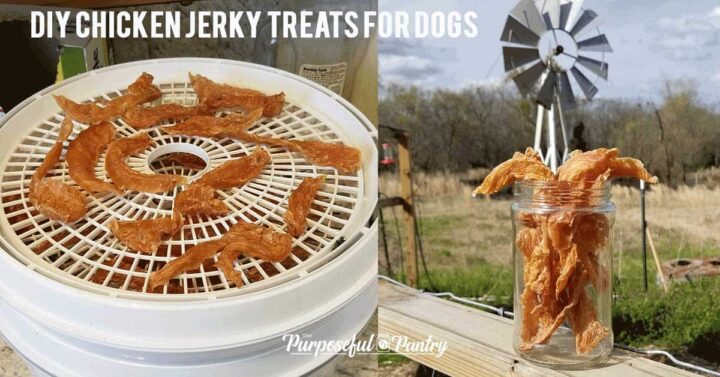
x: 562, y: 193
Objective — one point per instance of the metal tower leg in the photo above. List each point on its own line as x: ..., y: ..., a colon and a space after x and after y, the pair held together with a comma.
x: 538, y: 130
x: 566, y: 150
x: 551, y: 154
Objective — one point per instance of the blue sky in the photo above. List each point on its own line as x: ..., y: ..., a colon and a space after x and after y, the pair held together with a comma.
x: 653, y: 40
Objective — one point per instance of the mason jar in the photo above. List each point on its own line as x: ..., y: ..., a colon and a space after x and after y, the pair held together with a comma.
x: 563, y: 272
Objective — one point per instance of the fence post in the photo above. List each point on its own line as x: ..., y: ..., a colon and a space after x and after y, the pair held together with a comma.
x: 404, y: 160
x: 644, y: 234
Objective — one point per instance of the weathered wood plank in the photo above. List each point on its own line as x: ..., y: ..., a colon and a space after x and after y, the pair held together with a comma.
x: 480, y: 343
x: 405, y: 169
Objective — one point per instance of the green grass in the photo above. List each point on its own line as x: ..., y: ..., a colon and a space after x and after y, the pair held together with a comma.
x: 390, y: 358
x: 481, y: 280
x: 686, y: 320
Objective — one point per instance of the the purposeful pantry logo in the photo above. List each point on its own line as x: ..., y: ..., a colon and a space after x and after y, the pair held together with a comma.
x: 304, y: 344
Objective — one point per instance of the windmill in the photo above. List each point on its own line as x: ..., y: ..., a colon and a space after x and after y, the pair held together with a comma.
x: 543, y: 42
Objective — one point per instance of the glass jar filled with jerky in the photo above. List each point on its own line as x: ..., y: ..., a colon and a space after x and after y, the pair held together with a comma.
x: 563, y: 228
x: 563, y: 270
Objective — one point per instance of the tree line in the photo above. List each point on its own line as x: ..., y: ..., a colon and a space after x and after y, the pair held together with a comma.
x: 481, y: 127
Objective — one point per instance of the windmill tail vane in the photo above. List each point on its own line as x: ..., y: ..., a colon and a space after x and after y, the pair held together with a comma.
x: 545, y: 49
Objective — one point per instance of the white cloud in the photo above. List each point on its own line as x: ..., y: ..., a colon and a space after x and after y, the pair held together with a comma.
x: 716, y: 12
x: 688, y: 37
x: 490, y: 82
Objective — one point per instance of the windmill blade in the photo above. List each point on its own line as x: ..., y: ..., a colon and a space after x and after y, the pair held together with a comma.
x: 575, y: 12
x: 546, y: 95
x: 551, y: 13
x: 595, y: 66
x: 565, y: 92
x: 588, y: 88
x: 527, y: 13
x: 585, y: 19
x: 565, y: 15
x: 516, y: 57
x: 598, y: 43
x: 515, y: 32
x: 527, y: 79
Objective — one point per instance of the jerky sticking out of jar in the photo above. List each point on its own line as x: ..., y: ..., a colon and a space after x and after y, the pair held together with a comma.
x: 563, y: 236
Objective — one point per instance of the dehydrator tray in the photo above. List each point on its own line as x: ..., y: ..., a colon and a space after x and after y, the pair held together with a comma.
x: 85, y: 255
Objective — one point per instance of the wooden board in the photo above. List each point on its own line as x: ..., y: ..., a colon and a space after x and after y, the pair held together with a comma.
x: 480, y: 343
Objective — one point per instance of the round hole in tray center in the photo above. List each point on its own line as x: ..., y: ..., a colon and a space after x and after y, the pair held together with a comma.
x: 178, y: 158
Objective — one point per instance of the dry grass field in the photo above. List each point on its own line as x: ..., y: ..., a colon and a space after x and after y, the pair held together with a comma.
x: 458, y: 229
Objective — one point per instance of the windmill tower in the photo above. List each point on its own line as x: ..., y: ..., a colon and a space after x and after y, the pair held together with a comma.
x: 543, y: 42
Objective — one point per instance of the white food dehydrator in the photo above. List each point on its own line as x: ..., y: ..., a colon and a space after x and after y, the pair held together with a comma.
x: 74, y: 301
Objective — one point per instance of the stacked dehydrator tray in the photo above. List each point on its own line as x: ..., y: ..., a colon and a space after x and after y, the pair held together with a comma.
x: 66, y: 323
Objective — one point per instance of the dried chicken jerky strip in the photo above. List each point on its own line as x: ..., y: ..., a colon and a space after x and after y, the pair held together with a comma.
x: 522, y: 167
x: 630, y: 167
x: 549, y: 308
x: 568, y: 265
x: 589, y: 166
x: 527, y: 239
x: 217, y: 96
x: 199, y: 199
x: 588, y: 331
x: 209, y: 126
x: 139, y: 92
x: 236, y: 172
x: 140, y: 117
x: 299, y: 205
x: 53, y: 198
x: 577, y: 290
x: 254, y: 241
x: 528, y: 219
x: 84, y: 152
x: 586, y: 166
x: 560, y: 232
x: 592, y: 233
x: 535, y: 270
x: 344, y: 158
x: 125, y: 177
x: 191, y: 260
x: 341, y: 157
x: 145, y: 236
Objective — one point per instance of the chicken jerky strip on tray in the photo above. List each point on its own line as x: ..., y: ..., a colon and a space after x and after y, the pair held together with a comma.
x: 144, y: 236
x: 299, y: 205
x: 214, y: 96
x: 347, y: 160
x: 140, y: 117
x: 254, y: 241
x: 249, y: 239
x: 139, y: 92
x: 199, y: 197
x: 83, y: 154
x: 126, y: 178
x: 210, y: 126
x: 53, y: 198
